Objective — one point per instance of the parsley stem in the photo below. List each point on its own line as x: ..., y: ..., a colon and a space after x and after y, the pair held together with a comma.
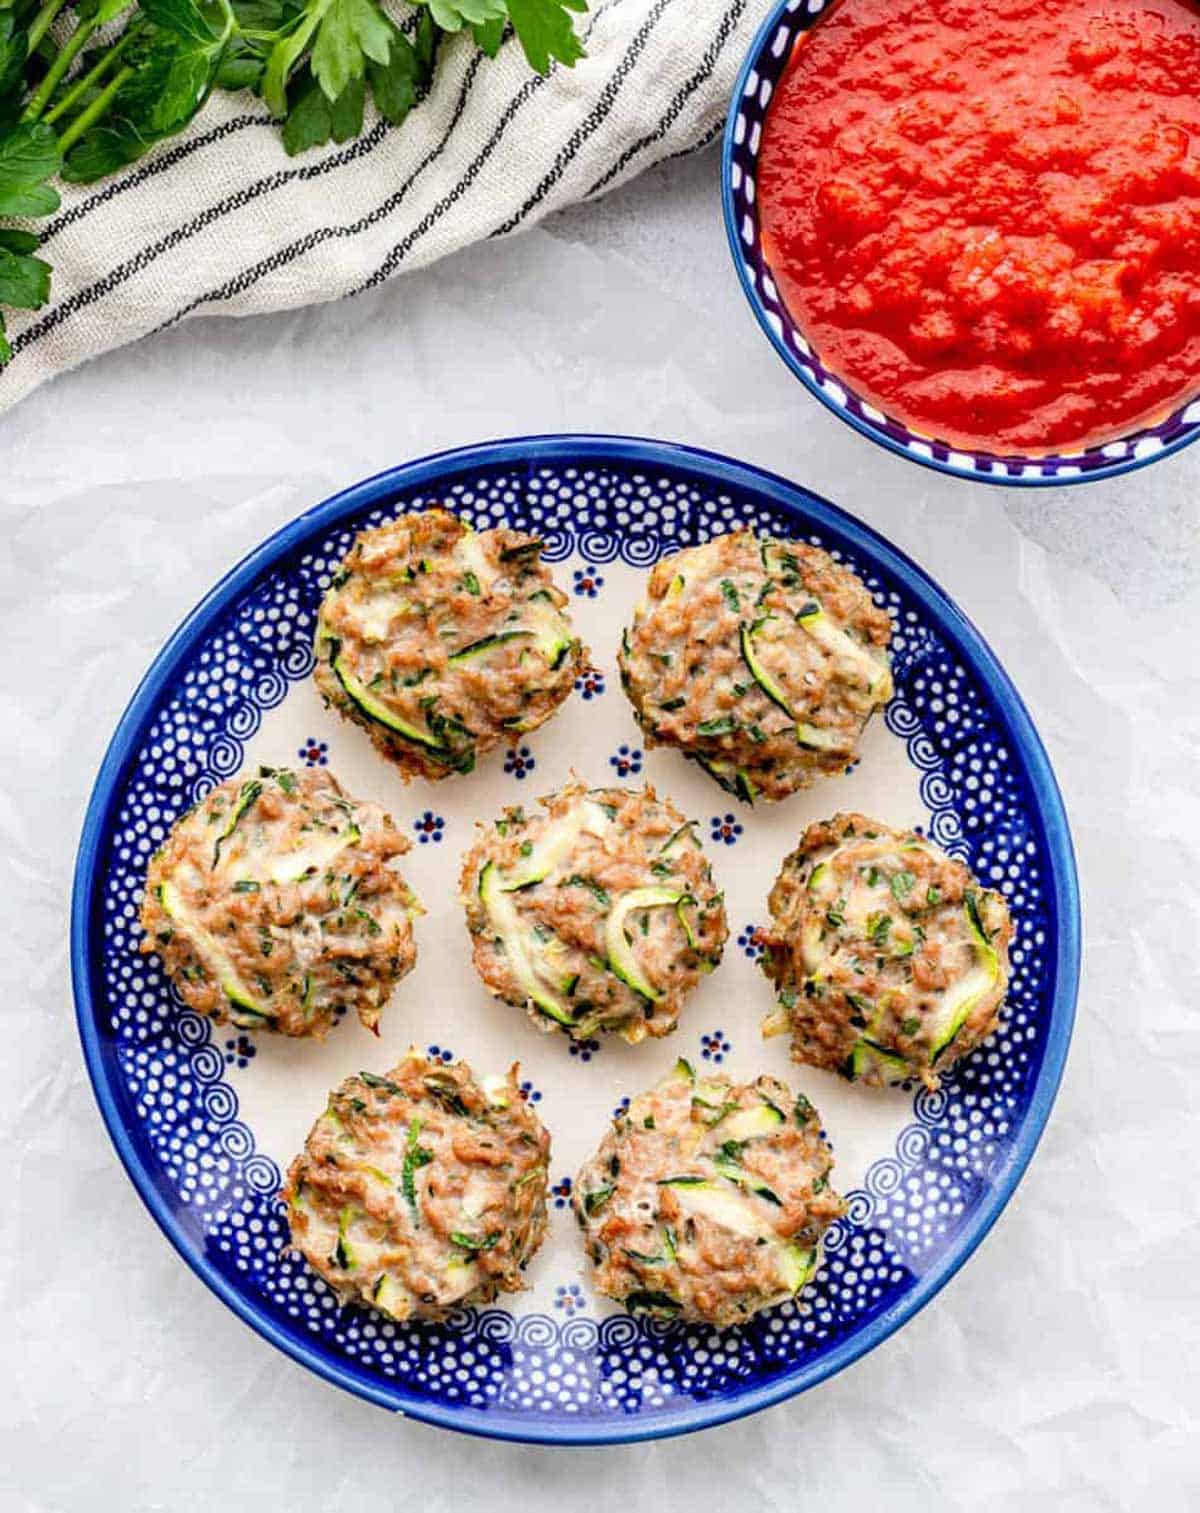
x: 42, y: 23
x: 95, y: 110
x: 58, y: 71
x: 230, y: 20
x: 95, y: 74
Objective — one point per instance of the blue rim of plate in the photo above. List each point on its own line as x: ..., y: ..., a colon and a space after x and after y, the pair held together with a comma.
x: 764, y: 64
x: 807, y: 508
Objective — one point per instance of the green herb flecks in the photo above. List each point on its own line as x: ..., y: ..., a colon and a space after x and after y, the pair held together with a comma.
x: 247, y: 795
x: 652, y: 1302
x: 415, y: 1157
x: 381, y: 1084
x: 878, y: 927
x: 445, y: 1089
x: 976, y: 918
x: 723, y: 725
x: 475, y: 1242
x: 596, y: 1199
x: 598, y: 893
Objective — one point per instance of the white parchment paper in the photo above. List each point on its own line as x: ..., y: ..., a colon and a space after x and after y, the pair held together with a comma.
x: 1059, y: 1371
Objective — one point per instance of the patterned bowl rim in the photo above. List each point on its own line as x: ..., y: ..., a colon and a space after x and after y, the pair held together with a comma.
x: 576, y: 449
x: 984, y: 467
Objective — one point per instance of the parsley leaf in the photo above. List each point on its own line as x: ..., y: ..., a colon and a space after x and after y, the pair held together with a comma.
x: 24, y: 280
x: 397, y: 83
x: 181, y: 17
x: 14, y: 48
x: 313, y: 119
x: 286, y: 55
x: 17, y: 241
x: 352, y: 32
x: 489, y: 35
x: 29, y: 155
x: 104, y: 150
x: 172, y: 79
x: 453, y: 15
x: 543, y: 27
x: 545, y: 31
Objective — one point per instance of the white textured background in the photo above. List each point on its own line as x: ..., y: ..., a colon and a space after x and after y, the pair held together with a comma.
x: 1060, y: 1370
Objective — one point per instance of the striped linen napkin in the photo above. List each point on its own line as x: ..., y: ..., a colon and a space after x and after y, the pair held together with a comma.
x: 221, y: 221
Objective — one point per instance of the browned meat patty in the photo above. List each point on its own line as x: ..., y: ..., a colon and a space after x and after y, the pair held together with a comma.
x: 760, y: 659
x: 708, y: 1200
x: 421, y: 1191
x: 889, y: 960
x: 441, y: 642
x: 276, y: 902
x: 600, y: 914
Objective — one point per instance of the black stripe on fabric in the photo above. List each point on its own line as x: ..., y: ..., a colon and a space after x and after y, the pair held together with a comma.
x: 708, y: 63
x: 281, y: 258
x: 149, y: 170
x: 595, y: 119
x: 706, y: 140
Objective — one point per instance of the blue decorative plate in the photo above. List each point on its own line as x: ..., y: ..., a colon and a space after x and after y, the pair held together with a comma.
x: 764, y: 66
x: 205, y: 1118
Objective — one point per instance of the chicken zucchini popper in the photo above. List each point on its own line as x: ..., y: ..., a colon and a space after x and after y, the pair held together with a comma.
x: 890, y: 962
x: 760, y: 659
x: 707, y: 1201
x: 421, y: 1191
x: 276, y: 902
x: 600, y: 914
x: 441, y: 641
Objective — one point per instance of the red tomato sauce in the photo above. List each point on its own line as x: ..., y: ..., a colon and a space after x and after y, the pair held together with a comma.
x: 985, y: 217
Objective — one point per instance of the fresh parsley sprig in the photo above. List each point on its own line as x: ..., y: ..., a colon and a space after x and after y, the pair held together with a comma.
x: 87, y: 89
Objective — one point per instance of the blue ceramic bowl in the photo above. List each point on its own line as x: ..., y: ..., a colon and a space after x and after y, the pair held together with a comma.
x: 764, y: 65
